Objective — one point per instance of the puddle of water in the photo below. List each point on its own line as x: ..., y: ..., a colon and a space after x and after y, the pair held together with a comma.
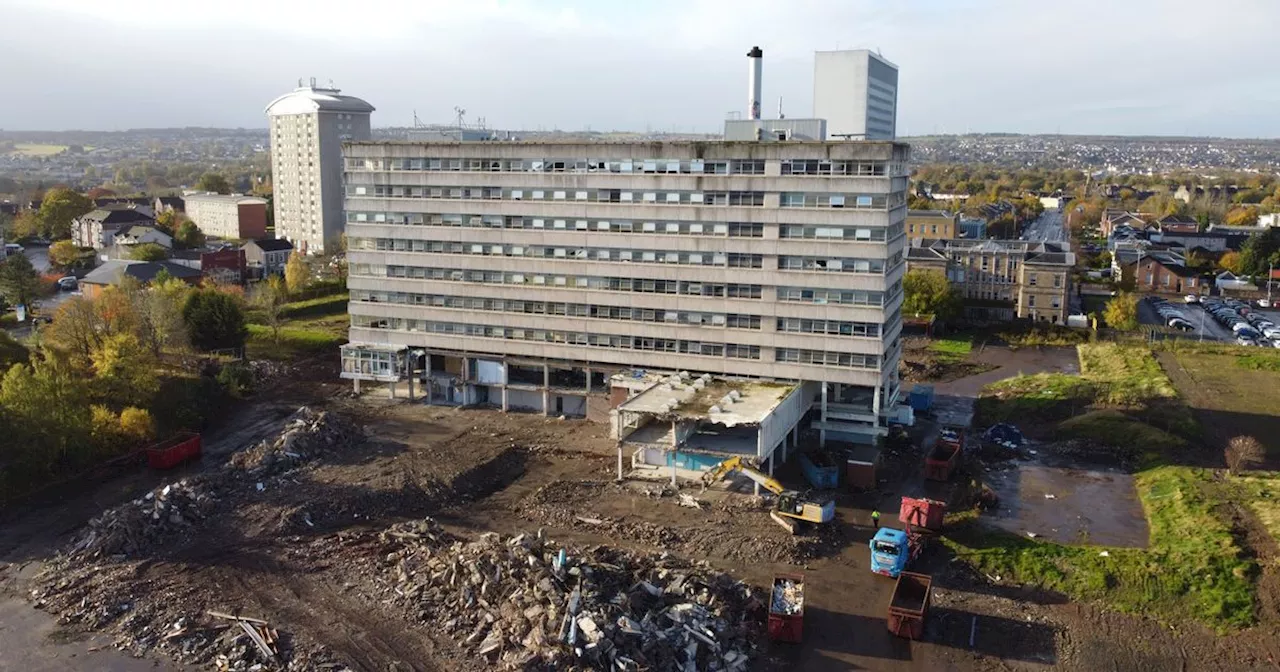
x: 29, y: 642
x: 1083, y: 506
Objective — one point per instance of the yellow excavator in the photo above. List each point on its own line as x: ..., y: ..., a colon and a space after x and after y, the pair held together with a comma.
x: 792, y: 510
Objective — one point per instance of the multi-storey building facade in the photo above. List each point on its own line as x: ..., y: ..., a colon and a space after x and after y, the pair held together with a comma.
x: 932, y: 224
x: 308, y: 127
x: 1002, y: 279
x: 856, y: 91
x: 775, y: 260
x: 228, y: 216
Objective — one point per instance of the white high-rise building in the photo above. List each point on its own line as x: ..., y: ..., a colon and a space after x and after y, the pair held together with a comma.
x: 308, y: 127
x: 856, y: 91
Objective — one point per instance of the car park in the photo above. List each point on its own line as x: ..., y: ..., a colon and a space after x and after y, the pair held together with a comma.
x: 1245, y: 340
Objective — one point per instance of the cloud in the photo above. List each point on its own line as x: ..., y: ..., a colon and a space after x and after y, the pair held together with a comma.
x: 1097, y: 66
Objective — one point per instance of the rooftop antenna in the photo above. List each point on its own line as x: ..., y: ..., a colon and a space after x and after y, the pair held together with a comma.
x: 780, y: 114
x: 299, y: 82
x: 331, y: 85
x: 461, y: 114
x: 313, y: 82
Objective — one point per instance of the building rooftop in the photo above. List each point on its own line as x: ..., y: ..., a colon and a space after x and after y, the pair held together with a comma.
x: 308, y: 99
x: 112, y: 272
x: 236, y: 198
x: 943, y: 214
x: 1033, y: 251
x: 272, y: 244
x: 622, y: 143
x: 724, y: 402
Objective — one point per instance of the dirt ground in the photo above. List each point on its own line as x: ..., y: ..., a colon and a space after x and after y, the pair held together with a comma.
x: 301, y: 552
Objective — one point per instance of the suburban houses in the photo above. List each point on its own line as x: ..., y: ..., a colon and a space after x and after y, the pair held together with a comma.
x: 98, y: 228
x: 933, y: 224
x: 266, y: 256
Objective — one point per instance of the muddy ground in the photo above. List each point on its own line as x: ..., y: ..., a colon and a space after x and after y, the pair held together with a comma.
x: 300, y: 553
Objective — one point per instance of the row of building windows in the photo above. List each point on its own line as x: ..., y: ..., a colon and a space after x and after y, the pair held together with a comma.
x: 798, y: 325
x: 791, y: 199
x: 854, y: 233
x: 848, y: 297
x: 734, y: 198
x: 681, y: 287
x: 730, y: 260
x: 628, y: 166
x: 726, y: 320
x: 728, y: 350
x: 616, y: 342
x: 729, y: 229
x: 838, y: 264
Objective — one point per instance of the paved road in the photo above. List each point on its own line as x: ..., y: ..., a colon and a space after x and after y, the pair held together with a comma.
x: 1048, y: 227
x: 39, y: 257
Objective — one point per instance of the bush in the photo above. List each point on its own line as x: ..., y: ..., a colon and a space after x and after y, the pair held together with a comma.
x: 215, y: 320
x: 236, y: 379
x: 1244, y: 452
x: 137, y: 424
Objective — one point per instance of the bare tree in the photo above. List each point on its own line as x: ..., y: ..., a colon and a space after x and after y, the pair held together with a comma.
x: 1243, y: 452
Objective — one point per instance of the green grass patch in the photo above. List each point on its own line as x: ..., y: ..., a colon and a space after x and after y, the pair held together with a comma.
x: 1260, y: 361
x: 1044, y: 336
x: 292, y: 342
x: 952, y: 349
x: 1126, y: 375
x: 324, y: 305
x: 1261, y: 490
x: 1192, y: 569
x: 38, y: 149
x: 1133, y: 437
x: 1041, y: 396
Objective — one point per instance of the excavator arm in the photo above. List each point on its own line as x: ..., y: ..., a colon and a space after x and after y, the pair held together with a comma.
x: 738, y: 464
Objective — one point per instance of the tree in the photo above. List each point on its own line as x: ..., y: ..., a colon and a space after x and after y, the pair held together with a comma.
x: 1231, y: 262
x: 1243, y: 452
x: 296, y: 274
x: 270, y: 300
x: 123, y: 370
x: 188, y: 235
x: 64, y: 254
x: 214, y: 182
x: 27, y: 225
x: 45, y: 402
x: 928, y: 292
x: 148, y: 252
x: 59, y: 207
x: 1242, y: 217
x: 214, y: 320
x: 167, y: 221
x: 137, y: 424
x: 160, y: 325
x: 19, y: 282
x: 1260, y: 251
x: 1122, y: 312
x: 98, y: 192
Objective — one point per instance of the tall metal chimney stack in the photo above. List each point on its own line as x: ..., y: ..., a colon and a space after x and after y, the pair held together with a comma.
x: 756, y: 57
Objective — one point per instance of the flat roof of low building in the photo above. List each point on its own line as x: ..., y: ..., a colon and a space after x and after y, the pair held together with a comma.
x: 725, y: 402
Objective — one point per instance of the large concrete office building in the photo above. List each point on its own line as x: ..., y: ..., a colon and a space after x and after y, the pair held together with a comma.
x: 308, y: 127
x: 856, y: 91
x: 526, y: 274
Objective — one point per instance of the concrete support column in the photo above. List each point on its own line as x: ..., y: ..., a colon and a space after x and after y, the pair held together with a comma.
x: 504, y: 398
x: 410, y: 382
x: 619, y: 460
x: 588, y: 370
x: 427, y: 389
x: 822, y: 433
x: 355, y: 385
x: 875, y: 403
x: 546, y: 390
x: 391, y: 388
x: 674, y: 455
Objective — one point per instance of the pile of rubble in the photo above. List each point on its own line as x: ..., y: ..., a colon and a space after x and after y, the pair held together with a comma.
x: 157, y: 517
x: 524, y: 603
x: 306, y: 433
x: 788, y: 597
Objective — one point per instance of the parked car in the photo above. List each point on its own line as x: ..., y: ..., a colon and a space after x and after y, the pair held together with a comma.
x: 1264, y: 303
x: 1191, y: 298
x: 1245, y: 340
x: 68, y: 283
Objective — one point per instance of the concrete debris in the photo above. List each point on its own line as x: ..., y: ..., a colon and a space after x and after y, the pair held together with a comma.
x: 160, y: 515
x: 513, y: 603
x: 306, y: 434
x: 688, y: 501
x: 94, y: 583
x: 788, y: 598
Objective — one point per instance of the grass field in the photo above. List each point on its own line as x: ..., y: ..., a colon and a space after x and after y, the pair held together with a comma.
x: 1232, y: 390
x: 37, y: 149
x: 1193, y: 568
x: 952, y: 349
x: 310, y: 327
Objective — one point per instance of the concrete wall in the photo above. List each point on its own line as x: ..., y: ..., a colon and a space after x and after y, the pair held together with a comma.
x: 840, y: 92
x: 524, y: 400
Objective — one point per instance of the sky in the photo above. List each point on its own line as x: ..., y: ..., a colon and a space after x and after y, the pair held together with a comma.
x: 1124, y: 67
